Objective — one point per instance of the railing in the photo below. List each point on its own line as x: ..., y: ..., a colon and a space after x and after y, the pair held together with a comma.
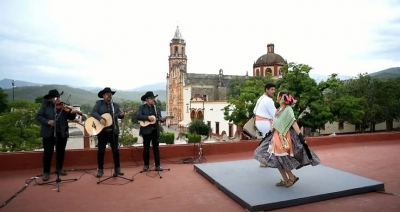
x: 178, y: 56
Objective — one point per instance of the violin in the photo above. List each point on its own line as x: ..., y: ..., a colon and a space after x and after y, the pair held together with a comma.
x: 66, y: 108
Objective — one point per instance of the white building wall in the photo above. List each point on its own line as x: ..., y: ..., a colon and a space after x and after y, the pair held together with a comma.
x: 187, y: 92
x: 75, y: 142
x: 78, y: 108
x: 214, y: 112
x: 349, y: 128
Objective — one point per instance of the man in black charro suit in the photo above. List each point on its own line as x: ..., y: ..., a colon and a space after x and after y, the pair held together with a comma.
x: 108, y: 134
x: 46, y: 116
x: 150, y: 133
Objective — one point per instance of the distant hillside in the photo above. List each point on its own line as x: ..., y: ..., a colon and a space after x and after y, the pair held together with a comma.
x: 78, y: 96
x: 152, y: 87
x: 93, y: 89
x: 7, y: 83
x: 319, y: 77
x: 387, y: 73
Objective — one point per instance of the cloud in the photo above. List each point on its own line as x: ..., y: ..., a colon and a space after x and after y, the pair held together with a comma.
x: 384, y: 42
x: 34, y: 55
x: 126, y: 44
x: 388, y: 40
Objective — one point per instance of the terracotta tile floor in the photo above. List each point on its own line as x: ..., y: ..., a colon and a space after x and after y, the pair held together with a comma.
x: 182, y: 189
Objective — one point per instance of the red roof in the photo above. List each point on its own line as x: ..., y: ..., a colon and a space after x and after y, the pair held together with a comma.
x: 182, y: 189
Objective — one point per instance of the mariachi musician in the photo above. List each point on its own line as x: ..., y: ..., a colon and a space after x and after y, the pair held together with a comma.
x: 108, y: 134
x: 47, y: 114
x: 150, y: 133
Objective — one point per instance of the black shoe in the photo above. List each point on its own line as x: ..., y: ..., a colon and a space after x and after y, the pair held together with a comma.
x: 158, y: 168
x: 46, y: 176
x: 118, y: 171
x: 62, y: 172
x: 99, y: 173
x: 145, y: 168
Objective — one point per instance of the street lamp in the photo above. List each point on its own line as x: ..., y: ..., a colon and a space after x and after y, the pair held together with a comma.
x: 13, y: 84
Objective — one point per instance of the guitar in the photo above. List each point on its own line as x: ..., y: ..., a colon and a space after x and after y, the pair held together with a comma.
x: 94, y: 126
x: 147, y: 122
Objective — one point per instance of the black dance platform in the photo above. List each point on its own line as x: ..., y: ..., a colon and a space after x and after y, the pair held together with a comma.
x: 253, y: 187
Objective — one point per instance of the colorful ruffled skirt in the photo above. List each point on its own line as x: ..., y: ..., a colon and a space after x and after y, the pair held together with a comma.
x: 271, y: 154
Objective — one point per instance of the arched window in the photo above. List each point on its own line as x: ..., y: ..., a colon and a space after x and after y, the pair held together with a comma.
x: 269, y: 71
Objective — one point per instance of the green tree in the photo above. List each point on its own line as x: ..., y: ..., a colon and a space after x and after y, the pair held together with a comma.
x: 133, y: 117
x: 3, y: 101
x: 127, y: 104
x: 318, y: 116
x: 18, y: 128
x: 343, y: 106
x: 233, y: 88
x: 161, y: 104
x: 199, y: 127
x: 364, y: 86
x: 86, y: 109
x: 389, y: 101
x: 39, y: 99
x: 310, y: 108
x: 128, y: 123
x: 241, y: 104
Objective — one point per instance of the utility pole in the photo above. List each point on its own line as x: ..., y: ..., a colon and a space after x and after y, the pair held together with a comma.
x: 13, y: 84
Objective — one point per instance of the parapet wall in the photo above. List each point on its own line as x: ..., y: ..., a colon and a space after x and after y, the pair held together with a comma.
x: 84, y: 157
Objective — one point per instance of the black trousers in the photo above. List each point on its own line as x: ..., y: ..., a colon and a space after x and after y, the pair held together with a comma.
x: 146, y: 148
x: 103, y: 138
x: 48, y: 146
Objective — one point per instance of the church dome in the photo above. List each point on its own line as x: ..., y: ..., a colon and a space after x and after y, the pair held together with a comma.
x: 270, y: 58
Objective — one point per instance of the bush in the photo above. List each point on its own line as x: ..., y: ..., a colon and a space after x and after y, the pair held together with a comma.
x: 167, y: 137
x: 184, y: 134
x: 128, y: 140
x: 199, y: 127
x: 194, y: 138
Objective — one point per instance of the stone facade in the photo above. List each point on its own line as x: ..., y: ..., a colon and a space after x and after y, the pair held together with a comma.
x: 183, y: 86
x: 211, y: 87
x: 177, y: 66
x: 271, y: 63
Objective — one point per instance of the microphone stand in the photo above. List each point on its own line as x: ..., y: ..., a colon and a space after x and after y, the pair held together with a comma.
x: 158, y: 125
x: 58, y: 180
x: 115, y: 145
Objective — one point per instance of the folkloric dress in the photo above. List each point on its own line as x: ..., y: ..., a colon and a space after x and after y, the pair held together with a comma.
x: 284, y: 148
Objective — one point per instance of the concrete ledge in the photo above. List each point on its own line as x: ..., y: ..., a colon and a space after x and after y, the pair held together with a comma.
x: 353, y: 138
x: 83, y: 157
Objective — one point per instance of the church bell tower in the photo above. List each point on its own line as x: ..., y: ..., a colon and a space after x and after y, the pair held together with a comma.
x: 177, y: 67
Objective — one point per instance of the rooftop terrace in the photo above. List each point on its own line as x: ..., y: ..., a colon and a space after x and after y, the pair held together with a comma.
x: 373, y: 156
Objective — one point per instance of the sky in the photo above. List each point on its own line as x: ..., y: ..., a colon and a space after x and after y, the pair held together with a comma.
x: 125, y: 44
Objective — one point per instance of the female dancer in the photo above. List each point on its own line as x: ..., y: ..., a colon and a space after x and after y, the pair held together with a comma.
x: 285, y: 148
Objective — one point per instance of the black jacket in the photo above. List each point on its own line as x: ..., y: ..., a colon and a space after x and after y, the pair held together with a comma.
x: 101, y: 107
x: 142, y: 115
x: 46, y: 113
